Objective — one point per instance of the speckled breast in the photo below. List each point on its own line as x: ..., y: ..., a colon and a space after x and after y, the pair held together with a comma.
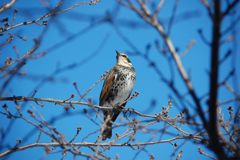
x: 124, y: 85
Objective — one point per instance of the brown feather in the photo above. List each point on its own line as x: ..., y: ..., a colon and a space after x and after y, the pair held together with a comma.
x: 107, y: 86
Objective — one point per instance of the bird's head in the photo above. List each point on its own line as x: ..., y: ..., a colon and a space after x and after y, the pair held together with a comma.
x: 123, y: 60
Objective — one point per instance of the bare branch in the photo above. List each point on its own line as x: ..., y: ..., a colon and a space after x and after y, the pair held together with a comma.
x: 7, y: 6
x: 229, y: 8
x: 53, y: 12
x: 87, y: 144
x: 153, y: 21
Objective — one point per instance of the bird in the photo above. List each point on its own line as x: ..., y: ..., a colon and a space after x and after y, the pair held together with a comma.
x: 116, y: 90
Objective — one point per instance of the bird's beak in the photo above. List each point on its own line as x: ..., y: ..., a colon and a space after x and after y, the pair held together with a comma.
x: 118, y: 53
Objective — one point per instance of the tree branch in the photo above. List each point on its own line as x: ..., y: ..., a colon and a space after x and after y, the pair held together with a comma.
x: 153, y: 21
x: 229, y: 8
x: 88, y: 144
x: 213, y: 90
x: 53, y: 12
x: 6, y: 6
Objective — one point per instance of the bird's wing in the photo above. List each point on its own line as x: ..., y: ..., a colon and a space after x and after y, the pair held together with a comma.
x: 107, y: 86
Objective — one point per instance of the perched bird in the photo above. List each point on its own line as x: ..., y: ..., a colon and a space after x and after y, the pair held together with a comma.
x: 116, y: 90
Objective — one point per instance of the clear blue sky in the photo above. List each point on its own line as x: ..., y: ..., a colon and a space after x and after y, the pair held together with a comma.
x: 78, y: 49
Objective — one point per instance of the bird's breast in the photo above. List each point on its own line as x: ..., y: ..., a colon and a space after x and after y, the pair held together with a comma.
x: 123, y: 86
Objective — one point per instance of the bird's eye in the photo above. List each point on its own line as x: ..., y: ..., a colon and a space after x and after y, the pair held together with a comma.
x: 124, y: 56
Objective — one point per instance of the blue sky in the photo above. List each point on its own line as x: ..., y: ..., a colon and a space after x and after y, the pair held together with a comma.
x: 102, y: 40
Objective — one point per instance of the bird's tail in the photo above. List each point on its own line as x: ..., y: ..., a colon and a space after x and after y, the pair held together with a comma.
x: 106, y: 130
